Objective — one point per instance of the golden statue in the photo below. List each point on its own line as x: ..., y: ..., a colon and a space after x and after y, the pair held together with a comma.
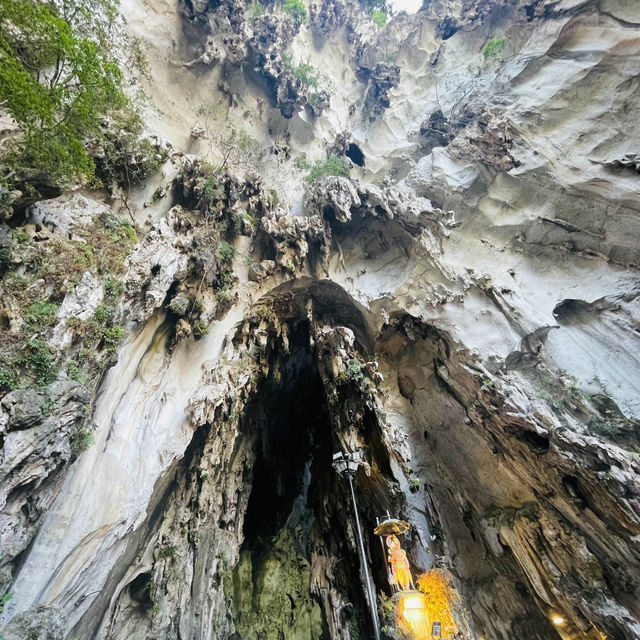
x: 400, y: 570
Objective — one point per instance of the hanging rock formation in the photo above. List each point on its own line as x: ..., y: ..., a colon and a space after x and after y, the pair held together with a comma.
x: 460, y: 308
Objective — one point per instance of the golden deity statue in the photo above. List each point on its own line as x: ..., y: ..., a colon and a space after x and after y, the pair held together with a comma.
x: 400, y: 576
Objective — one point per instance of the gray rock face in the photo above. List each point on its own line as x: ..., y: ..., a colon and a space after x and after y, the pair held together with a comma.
x: 22, y: 409
x: 67, y: 213
x: 44, y: 623
x: 380, y: 80
x: 38, y: 431
x: 461, y: 312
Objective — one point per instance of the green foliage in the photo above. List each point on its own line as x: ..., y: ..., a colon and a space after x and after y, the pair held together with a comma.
x: 81, y: 440
x: 380, y: 17
x: 56, y: 264
x: 169, y: 552
x: 210, y: 187
x: 355, y: 628
x: 200, y: 327
x: 4, y: 599
x: 40, y: 362
x: 122, y: 155
x: 296, y: 9
x: 302, y: 163
x: 333, y: 166
x: 57, y: 82
x: 100, y: 314
x: 354, y: 369
x: 275, y: 198
x: 255, y: 9
x: 304, y: 72
x: 414, y: 484
x: 113, y: 289
x: 386, y: 612
x: 73, y: 369
x: 225, y: 253
x: 40, y: 314
x: 353, y: 372
x: 493, y: 47
x: 307, y: 75
x: 315, y: 99
x: 112, y: 337
x: 8, y: 380
x: 236, y: 222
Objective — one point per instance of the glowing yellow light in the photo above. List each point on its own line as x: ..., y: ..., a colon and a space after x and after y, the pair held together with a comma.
x: 437, y: 585
x: 413, y: 602
x: 412, y: 616
x: 557, y: 620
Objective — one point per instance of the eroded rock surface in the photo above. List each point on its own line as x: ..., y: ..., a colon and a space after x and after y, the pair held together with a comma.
x: 460, y: 311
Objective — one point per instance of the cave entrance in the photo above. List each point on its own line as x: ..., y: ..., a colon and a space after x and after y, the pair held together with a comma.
x: 299, y: 574
x: 354, y: 153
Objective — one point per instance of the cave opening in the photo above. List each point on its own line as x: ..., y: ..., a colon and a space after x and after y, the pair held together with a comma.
x: 288, y: 422
x: 299, y: 559
x: 354, y: 153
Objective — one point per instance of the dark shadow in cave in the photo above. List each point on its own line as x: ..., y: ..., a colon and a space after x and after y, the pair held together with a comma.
x: 354, y: 153
x: 294, y: 487
x: 289, y: 422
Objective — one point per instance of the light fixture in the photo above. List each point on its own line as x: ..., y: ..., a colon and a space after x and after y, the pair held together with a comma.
x: 557, y: 620
x: 413, y: 602
x: 347, y: 464
x: 412, y: 616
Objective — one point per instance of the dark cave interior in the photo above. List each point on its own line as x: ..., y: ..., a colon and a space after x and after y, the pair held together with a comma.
x: 294, y: 434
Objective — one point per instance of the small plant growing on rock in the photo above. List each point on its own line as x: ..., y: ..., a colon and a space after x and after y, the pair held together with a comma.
x: 255, y: 9
x: 113, y: 289
x: 296, y: 9
x: 81, y: 440
x: 387, y: 611
x: 74, y: 371
x: 353, y: 371
x: 40, y: 361
x: 169, y: 552
x: 333, y: 166
x: 414, y: 484
x: 8, y: 381
x: 304, y: 72
x: 111, y: 338
x: 100, y: 314
x: 200, y: 328
x: 493, y: 47
x: 380, y: 18
x: 40, y: 314
x: 3, y: 600
x: 307, y: 74
x: 225, y: 253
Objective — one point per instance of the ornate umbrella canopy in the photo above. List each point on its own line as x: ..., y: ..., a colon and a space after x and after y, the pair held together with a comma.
x: 390, y: 526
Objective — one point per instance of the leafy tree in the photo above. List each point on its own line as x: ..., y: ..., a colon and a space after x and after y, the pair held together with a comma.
x: 57, y: 79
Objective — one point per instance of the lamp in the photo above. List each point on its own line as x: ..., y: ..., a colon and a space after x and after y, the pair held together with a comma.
x: 412, y: 615
x: 346, y: 464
